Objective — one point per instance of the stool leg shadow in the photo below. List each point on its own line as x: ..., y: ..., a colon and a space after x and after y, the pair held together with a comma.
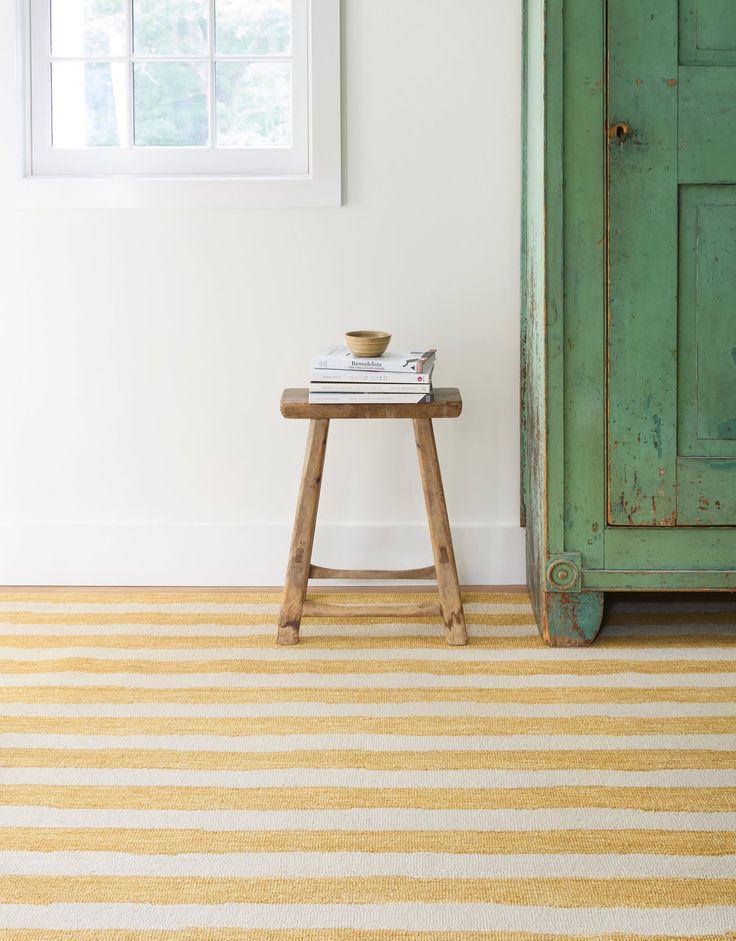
x: 302, y: 540
x: 439, y: 531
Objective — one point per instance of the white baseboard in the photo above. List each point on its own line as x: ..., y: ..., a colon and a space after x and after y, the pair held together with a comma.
x: 180, y: 555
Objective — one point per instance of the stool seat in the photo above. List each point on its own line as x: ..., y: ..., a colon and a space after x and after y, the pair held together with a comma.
x: 446, y: 403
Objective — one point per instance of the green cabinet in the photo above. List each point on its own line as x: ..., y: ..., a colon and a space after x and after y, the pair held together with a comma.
x: 629, y: 297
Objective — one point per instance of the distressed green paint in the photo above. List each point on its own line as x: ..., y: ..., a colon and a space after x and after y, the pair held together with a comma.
x: 707, y: 119
x: 689, y: 548
x: 707, y: 364
x: 707, y: 488
x: 715, y: 340
x: 715, y: 25
x: 524, y: 394
x: 707, y: 32
x: 707, y: 261
x: 584, y: 256
x: 716, y: 324
x: 642, y: 341
x: 554, y: 249
x: 573, y: 619
x: 544, y: 340
x: 565, y: 408
x: 684, y: 580
x: 707, y: 361
x: 535, y: 303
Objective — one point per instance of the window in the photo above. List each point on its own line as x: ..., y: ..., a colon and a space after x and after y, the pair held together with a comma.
x: 179, y: 88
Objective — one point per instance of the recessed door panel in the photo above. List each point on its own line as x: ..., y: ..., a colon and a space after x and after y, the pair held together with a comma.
x: 707, y: 123
x: 708, y: 32
x: 707, y: 329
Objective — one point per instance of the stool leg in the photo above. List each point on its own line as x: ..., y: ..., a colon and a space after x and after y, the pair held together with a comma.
x: 439, y: 531
x: 302, y: 539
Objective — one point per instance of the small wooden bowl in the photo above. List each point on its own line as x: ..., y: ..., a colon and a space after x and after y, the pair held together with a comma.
x: 367, y: 343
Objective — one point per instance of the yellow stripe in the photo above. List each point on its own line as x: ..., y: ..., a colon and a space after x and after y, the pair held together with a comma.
x: 192, y: 596
x: 232, y: 619
x: 120, y: 695
x: 368, y: 725
x: 671, y: 799
x: 315, y: 934
x: 285, y: 664
x: 342, y: 642
x: 172, y: 842
x: 158, y: 642
x: 173, y: 759
x: 554, y: 892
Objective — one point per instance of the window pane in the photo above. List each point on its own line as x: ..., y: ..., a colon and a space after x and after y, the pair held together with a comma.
x: 253, y: 27
x: 88, y: 28
x: 171, y: 104
x: 254, y: 104
x: 89, y: 104
x: 170, y: 27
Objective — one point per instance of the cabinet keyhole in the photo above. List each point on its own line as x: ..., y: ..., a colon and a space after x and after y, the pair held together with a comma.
x: 619, y: 131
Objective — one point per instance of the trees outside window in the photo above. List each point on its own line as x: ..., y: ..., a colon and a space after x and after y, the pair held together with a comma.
x: 170, y: 87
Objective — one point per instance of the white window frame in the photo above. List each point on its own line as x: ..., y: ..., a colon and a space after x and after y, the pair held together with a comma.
x: 164, y: 182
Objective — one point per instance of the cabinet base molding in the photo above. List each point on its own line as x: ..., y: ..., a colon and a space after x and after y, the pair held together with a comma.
x: 571, y: 619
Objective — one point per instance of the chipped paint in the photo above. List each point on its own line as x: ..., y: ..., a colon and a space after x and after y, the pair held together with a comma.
x: 573, y: 619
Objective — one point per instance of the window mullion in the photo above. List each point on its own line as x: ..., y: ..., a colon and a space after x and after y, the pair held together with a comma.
x: 131, y: 78
x: 83, y: 156
x: 212, y: 101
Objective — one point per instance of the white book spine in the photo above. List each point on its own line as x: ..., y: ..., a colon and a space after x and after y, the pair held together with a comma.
x: 367, y: 398
x: 365, y: 388
x: 354, y: 376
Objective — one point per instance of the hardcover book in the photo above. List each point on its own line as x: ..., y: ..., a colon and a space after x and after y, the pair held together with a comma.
x: 366, y: 388
x: 408, y: 379
x: 368, y: 398
x: 340, y: 357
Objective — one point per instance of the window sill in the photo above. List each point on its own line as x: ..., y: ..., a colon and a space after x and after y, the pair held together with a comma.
x: 172, y: 193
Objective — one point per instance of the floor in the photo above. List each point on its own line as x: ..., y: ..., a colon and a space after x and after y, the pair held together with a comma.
x: 167, y: 772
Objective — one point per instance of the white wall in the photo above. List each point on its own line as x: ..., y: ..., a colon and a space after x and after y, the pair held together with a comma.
x: 143, y: 352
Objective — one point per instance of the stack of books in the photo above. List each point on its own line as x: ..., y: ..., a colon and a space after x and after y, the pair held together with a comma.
x: 338, y: 377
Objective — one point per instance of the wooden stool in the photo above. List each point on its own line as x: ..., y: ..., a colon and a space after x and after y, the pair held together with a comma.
x: 446, y: 403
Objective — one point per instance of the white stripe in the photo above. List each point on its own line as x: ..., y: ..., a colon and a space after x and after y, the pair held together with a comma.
x: 304, y: 654
x: 121, y: 608
x: 368, y: 742
x: 229, y: 607
x: 373, y: 819
x: 673, y: 922
x: 402, y: 629
x: 269, y: 604
x: 362, y: 865
x: 359, y: 778
x: 456, y: 709
x: 388, y: 629
x: 370, y: 681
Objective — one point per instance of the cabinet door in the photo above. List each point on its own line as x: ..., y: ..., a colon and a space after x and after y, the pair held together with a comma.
x: 672, y: 263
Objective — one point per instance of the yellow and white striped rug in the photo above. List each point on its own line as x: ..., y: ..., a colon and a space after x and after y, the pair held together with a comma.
x: 168, y: 773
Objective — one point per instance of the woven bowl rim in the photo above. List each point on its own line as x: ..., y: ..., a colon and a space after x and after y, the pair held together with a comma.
x: 368, y: 334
